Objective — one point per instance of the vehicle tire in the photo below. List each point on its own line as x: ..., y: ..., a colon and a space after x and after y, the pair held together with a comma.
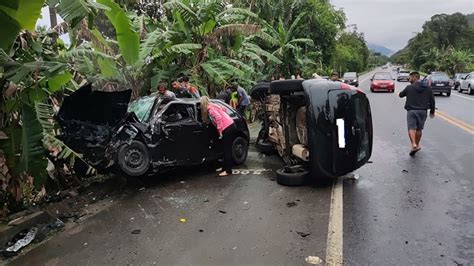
x: 392, y: 91
x: 460, y: 90
x: 260, y: 91
x: 240, y: 149
x: 286, y: 86
x: 292, y: 176
x: 265, y: 147
x: 469, y: 90
x: 133, y: 159
x: 448, y: 94
x: 372, y: 90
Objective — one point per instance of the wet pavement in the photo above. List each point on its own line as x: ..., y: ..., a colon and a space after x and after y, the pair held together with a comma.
x: 401, y: 211
x: 413, y: 211
x: 241, y: 219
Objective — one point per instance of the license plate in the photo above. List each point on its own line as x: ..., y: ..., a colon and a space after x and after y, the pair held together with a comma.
x: 440, y: 85
x: 383, y: 86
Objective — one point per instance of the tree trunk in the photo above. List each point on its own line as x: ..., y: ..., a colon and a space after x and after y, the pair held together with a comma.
x: 52, y: 17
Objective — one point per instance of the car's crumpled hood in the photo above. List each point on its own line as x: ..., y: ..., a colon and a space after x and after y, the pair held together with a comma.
x: 95, y: 107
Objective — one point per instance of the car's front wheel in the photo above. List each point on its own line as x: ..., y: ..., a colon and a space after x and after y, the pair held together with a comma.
x: 469, y: 90
x: 240, y: 148
x: 292, y: 176
x: 133, y: 159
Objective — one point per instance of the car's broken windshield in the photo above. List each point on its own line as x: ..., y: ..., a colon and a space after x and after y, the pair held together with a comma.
x: 142, y: 108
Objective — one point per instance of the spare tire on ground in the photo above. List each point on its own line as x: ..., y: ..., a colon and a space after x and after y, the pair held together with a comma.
x: 292, y: 176
x: 265, y: 147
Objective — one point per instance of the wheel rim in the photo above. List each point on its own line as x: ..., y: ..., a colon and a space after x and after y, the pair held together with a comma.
x: 239, y: 148
x: 134, y: 158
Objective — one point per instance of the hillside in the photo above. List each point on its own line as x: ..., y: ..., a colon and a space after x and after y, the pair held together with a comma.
x: 380, y: 49
x: 470, y: 18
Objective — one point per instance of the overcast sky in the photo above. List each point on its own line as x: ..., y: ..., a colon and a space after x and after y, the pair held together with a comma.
x: 392, y: 23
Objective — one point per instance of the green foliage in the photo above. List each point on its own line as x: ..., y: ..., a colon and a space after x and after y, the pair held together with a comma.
x: 32, y: 161
x: 16, y: 15
x: 74, y: 11
x: 446, y: 44
x: 128, y: 39
x: 352, y: 53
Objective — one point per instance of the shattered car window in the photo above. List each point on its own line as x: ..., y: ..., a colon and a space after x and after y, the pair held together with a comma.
x: 177, y: 113
x: 142, y: 107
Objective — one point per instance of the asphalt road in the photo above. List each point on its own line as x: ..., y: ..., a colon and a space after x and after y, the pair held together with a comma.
x: 414, y: 211
x: 401, y: 211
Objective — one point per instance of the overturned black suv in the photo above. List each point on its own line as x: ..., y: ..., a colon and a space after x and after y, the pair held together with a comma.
x: 322, y: 129
x: 143, y: 137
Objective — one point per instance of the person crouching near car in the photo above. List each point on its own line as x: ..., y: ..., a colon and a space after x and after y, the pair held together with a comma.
x: 225, y: 126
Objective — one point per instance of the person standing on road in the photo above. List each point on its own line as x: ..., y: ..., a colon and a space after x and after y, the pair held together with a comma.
x: 190, y: 88
x: 164, y: 92
x: 225, y: 126
x: 419, y: 99
x: 243, y: 98
x: 334, y: 76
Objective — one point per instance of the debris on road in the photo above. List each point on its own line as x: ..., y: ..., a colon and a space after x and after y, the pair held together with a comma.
x: 182, y: 220
x: 23, y: 242
x: 206, y: 200
x: 352, y: 177
x: 302, y: 234
x: 136, y: 232
x: 200, y: 230
x: 291, y: 204
x: 314, y: 260
x: 405, y: 171
x: 224, y: 212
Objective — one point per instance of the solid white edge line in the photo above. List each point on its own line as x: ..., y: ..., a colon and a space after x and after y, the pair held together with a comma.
x: 464, y: 97
x: 334, y: 252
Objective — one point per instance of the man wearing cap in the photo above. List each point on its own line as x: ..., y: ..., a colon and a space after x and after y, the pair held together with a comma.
x: 419, y: 99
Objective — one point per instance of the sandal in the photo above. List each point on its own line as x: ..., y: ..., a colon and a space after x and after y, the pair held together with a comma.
x: 413, y: 152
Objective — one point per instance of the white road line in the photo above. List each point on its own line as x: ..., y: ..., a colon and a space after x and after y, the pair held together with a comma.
x: 334, y: 255
x: 460, y: 96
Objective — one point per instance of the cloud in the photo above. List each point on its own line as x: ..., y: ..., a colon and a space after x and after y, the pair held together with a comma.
x: 392, y: 23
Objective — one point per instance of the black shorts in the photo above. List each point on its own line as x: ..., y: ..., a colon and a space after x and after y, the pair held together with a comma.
x: 416, y: 119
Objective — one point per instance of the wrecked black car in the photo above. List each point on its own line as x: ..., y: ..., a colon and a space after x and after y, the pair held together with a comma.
x: 321, y: 129
x: 147, y: 136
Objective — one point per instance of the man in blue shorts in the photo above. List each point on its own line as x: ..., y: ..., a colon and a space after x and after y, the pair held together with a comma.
x: 419, y: 99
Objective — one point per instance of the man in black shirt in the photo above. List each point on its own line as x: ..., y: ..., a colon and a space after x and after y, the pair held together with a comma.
x: 419, y: 99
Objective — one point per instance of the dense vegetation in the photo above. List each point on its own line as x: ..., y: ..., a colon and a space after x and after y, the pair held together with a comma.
x: 129, y: 45
x: 446, y: 43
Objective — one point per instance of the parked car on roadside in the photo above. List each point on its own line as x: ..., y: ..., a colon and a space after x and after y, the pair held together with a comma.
x: 351, y: 78
x: 467, y: 84
x: 439, y: 82
x: 321, y: 129
x: 457, y: 79
x: 382, y: 81
x: 403, y: 75
x: 144, y: 137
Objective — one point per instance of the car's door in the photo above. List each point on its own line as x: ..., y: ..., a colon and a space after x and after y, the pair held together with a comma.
x: 183, y: 140
x: 465, y: 82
